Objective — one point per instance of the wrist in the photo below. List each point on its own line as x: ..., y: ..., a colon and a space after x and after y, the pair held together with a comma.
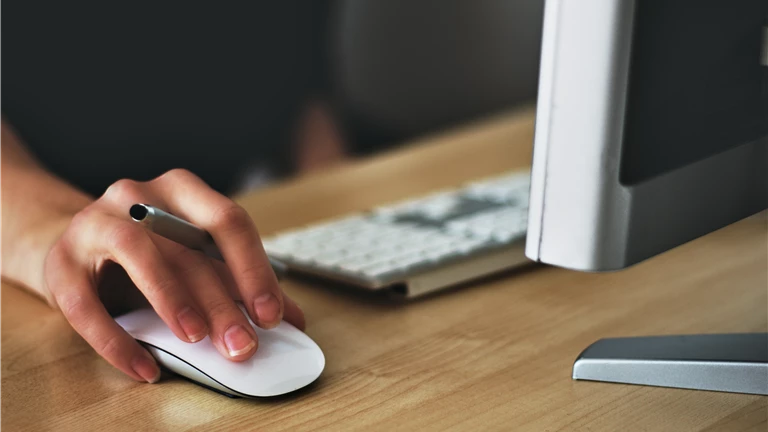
x: 24, y: 266
x: 37, y: 207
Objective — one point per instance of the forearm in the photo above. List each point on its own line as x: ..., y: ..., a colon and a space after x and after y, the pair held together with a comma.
x: 319, y: 142
x: 36, y: 208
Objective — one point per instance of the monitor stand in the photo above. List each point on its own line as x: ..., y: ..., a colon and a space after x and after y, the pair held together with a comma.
x: 736, y: 363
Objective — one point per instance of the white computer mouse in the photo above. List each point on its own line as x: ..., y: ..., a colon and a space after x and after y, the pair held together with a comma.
x: 286, y: 360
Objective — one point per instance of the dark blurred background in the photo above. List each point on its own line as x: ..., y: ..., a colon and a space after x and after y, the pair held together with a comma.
x: 403, y: 68
x: 246, y: 92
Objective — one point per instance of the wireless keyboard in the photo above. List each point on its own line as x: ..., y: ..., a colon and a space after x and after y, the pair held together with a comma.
x: 419, y: 245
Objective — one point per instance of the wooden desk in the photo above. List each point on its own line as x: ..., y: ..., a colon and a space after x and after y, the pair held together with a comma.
x: 493, y: 355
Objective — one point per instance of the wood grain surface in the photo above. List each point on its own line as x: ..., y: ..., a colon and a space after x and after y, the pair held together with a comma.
x: 491, y: 355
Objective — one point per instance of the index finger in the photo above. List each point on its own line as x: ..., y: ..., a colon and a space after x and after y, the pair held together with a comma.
x: 236, y: 236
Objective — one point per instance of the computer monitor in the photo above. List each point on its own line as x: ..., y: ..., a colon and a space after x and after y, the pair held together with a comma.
x: 651, y: 130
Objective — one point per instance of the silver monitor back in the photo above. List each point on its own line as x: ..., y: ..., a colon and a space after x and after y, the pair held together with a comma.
x: 651, y: 127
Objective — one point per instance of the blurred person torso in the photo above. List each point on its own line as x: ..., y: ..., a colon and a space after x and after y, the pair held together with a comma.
x: 106, y: 90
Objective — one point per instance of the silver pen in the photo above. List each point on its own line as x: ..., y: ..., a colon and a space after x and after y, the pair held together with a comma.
x: 177, y: 229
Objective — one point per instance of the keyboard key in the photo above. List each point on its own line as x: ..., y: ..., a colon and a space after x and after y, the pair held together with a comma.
x: 470, y: 245
x: 331, y: 259
x: 504, y: 236
x: 439, y: 254
x: 408, y: 260
x: 354, y: 266
x: 378, y: 269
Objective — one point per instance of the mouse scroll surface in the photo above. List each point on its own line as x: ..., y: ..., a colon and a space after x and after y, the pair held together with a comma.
x: 286, y: 359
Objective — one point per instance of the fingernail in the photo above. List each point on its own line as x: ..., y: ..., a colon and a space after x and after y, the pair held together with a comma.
x: 267, y: 309
x: 192, y: 324
x: 238, y: 341
x: 146, y: 367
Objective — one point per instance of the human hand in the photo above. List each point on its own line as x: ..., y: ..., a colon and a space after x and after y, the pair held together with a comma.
x: 193, y: 294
